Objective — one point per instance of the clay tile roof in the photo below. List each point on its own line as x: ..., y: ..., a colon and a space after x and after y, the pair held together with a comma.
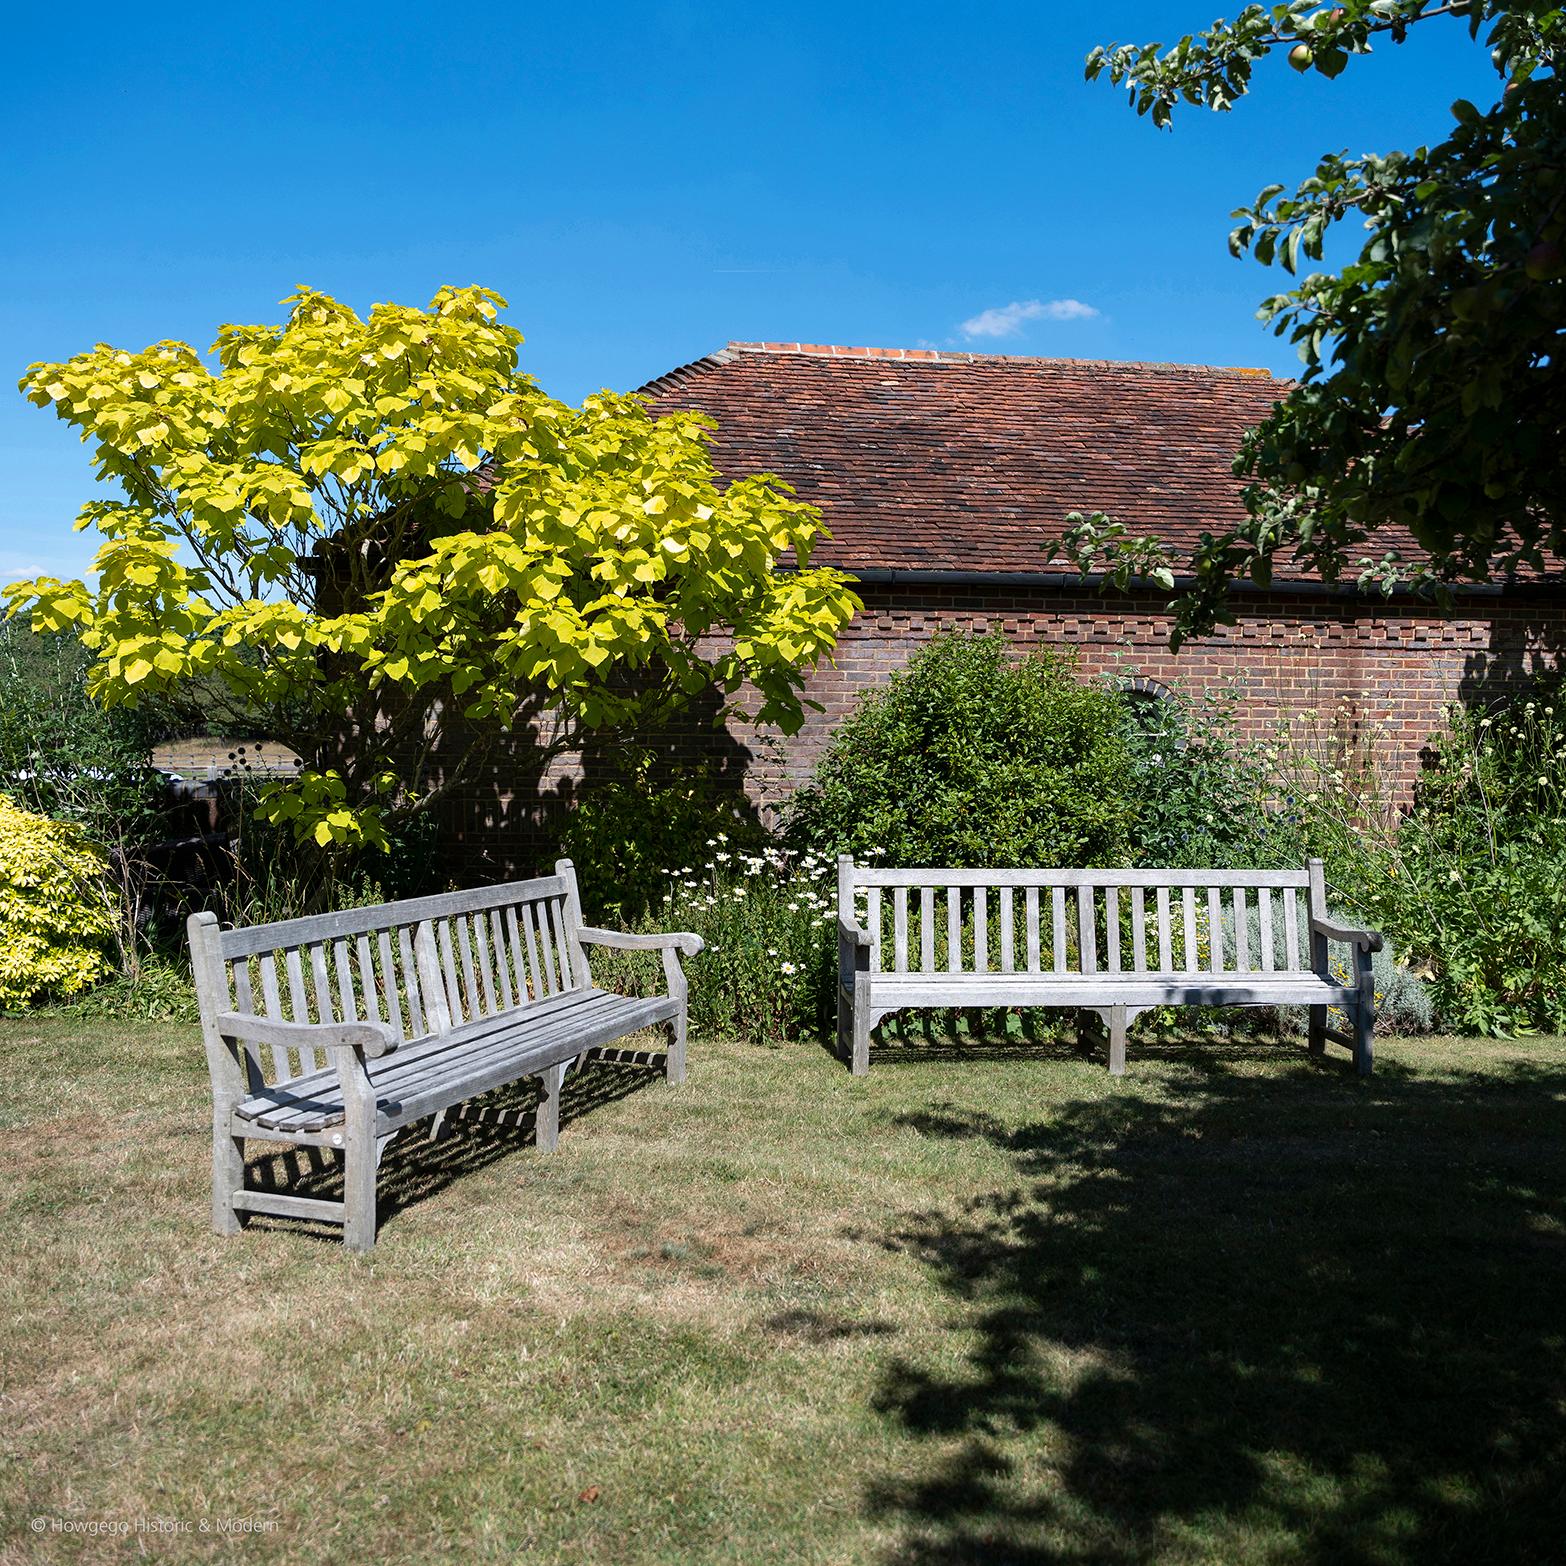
x: 925, y: 460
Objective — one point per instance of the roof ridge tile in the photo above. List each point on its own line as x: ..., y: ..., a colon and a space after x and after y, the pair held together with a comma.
x: 964, y: 356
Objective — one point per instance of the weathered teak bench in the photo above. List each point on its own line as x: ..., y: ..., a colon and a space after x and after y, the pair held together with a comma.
x: 1117, y: 942
x: 339, y: 1030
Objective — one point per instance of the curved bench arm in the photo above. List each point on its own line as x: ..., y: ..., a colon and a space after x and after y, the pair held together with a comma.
x: 683, y: 940
x: 1369, y: 939
x: 371, y: 1039
x: 853, y: 934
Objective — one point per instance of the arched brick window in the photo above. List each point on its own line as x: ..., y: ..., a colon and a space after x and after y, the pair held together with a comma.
x: 1152, y: 705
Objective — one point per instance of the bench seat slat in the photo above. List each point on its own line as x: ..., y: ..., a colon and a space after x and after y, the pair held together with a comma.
x: 431, y: 1074
x: 420, y: 1057
x: 891, y: 991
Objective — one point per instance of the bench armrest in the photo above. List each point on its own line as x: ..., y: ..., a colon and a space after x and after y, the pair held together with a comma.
x: 1369, y: 939
x: 371, y: 1039
x: 681, y: 940
x: 853, y: 934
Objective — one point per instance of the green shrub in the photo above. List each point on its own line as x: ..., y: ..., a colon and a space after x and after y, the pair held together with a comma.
x: 1471, y: 880
x: 624, y: 833
x: 160, y: 991
x: 1201, y: 793
x: 63, y: 755
x: 55, y: 910
x: 968, y: 758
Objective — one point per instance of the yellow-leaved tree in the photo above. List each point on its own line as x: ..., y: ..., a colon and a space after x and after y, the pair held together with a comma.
x: 378, y: 541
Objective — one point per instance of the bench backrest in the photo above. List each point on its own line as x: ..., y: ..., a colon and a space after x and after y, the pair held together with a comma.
x: 422, y: 966
x: 1096, y: 921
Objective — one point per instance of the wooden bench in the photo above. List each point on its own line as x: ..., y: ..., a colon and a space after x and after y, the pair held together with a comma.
x: 1117, y: 942
x: 337, y: 1031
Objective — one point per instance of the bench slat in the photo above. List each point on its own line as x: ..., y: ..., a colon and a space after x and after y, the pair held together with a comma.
x: 559, y: 918
x: 518, y: 956
x: 927, y: 929
x: 546, y: 946
x: 1057, y: 903
x: 447, y: 974
x: 409, y: 987
x: 873, y: 914
x: 1087, y: 951
x: 1165, y: 941
x: 900, y: 929
x: 470, y: 979
x: 1031, y: 905
x: 272, y: 1002
x: 347, y: 1002
x: 497, y: 943
x: 1112, y: 927
x: 535, y: 973
x: 1139, y: 928
x: 244, y: 1000
x: 953, y: 930
x: 1214, y: 930
x: 981, y: 929
x: 1007, y: 933
x: 323, y: 984
x: 364, y: 964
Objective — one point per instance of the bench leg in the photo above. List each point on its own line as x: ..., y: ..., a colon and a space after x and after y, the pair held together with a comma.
x: 862, y: 1024
x: 674, y: 1057
x: 547, y: 1133
x: 1317, y: 1037
x: 845, y: 1023
x: 1364, y: 1040
x: 228, y: 1172
x: 361, y: 1160
x: 1118, y: 1023
x: 1364, y: 1012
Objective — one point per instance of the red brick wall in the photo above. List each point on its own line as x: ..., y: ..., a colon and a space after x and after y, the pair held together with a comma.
x: 1287, y: 653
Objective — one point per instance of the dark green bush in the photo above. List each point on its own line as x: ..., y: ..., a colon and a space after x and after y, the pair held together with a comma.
x: 64, y: 756
x: 1478, y: 885
x: 1203, y: 796
x: 628, y: 833
x: 969, y: 757
x: 1469, y: 880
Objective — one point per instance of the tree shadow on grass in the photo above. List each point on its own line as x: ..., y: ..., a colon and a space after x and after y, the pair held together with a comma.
x: 1288, y: 1316
x: 476, y: 1135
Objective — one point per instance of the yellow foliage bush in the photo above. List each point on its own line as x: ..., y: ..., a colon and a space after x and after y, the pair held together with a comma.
x: 55, y: 917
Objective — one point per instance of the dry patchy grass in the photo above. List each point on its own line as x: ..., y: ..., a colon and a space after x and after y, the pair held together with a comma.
x: 1238, y: 1306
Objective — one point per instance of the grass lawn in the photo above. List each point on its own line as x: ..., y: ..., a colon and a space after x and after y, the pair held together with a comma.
x: 986, y: 1305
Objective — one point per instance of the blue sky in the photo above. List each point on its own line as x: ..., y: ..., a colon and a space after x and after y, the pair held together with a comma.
x: 643, y: 183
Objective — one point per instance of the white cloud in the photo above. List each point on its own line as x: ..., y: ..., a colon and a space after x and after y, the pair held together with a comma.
x: 1008, y: 320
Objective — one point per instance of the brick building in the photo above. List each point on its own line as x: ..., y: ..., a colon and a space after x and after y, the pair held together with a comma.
x: 943, y: 477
